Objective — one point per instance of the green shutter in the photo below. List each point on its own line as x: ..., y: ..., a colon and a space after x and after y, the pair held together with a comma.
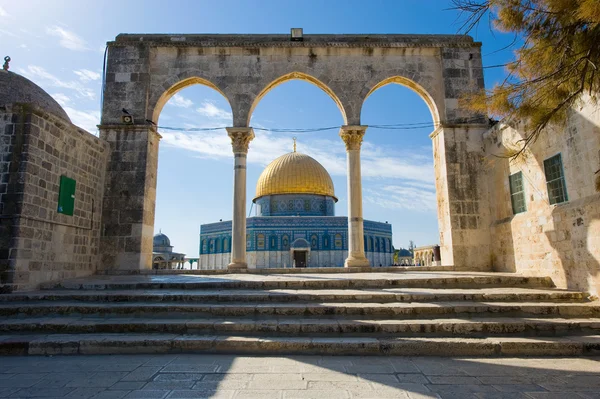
x: 66, y: 196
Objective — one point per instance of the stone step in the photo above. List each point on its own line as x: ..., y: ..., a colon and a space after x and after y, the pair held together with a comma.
x: 514, y: 294
x: 316, y: 281
x: 88, y: 344
x: 475, y: 326
x: 371, y: 310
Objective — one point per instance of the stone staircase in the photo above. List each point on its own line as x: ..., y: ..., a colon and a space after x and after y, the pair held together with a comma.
x: 395, y: 313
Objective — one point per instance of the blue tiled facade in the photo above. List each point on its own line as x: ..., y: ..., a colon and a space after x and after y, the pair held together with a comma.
x: 323, y: 234
x: 295, y: 205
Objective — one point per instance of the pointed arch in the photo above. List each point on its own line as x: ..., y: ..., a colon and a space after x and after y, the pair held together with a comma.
x: 297, y: 76
x: 420, y: 90
x: 181, y: 84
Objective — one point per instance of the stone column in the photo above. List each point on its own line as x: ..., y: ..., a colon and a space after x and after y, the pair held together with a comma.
x: 129, y: 197
x: 353, y: 136
x: 240, y: 139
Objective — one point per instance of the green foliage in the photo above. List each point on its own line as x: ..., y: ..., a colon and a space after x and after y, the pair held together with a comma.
x: 556, y: 63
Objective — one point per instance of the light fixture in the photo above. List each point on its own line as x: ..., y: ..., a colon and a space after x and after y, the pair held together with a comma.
x: 296, y: 35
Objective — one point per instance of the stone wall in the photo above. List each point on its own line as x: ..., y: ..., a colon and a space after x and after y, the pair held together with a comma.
x: 562, y: 240
x: 37, y: 149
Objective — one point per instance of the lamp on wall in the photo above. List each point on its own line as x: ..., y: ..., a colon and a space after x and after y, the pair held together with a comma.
x: 296, y: 35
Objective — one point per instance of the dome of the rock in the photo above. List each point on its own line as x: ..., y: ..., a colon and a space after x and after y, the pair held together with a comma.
x: 294, y: 173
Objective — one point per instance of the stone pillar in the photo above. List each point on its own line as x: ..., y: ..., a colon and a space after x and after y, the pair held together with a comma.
x: 129, y: 197
x: 240, y: 139
x: 462, y: 196
x: 353, y: 136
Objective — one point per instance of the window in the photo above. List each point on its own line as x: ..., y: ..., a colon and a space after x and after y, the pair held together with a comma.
x: 326, y: 241
x: 260, y: 241
x: 273, y: 242
x: 555, y: 180
x: 314, y: 242
x: 285, y: 242
x: 225, y: 244
x: 338, y: 241
x: 517, y: 193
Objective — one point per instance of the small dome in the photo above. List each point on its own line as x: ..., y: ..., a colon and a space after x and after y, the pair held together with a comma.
x: 15, y: 88
x: 161, y: 240
x: 294, y: 173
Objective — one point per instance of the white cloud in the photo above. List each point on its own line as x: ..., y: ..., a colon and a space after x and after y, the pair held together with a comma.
x: 180, y: 101
x: 3, y: 12
x: 405, y: 196
x: 62, y: 99
x: 67, y: 38
x: 84, y: 119
x: 8, y: 33
x: 211, y: 111
x: 42, y: 76
x: 330, y: 153
x: 85, y: 75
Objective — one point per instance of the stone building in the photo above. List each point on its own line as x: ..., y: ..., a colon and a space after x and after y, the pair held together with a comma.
x: 163, y: 256
x: 428, y: 255
x: 295, y: 223
x: 52, y: 180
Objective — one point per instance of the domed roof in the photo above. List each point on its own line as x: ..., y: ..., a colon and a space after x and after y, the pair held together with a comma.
x: 294, y: 173
x: 161, y: 240
x: 15, y: 88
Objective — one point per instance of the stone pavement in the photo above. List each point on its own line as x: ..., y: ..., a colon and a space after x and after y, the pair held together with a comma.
x: 235, y: 377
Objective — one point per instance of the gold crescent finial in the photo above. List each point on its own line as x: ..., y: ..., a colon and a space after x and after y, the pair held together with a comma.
x: 294, y: 138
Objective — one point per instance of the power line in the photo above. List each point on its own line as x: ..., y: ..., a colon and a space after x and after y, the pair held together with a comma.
x: 399, y: 126
x: 395, y: 126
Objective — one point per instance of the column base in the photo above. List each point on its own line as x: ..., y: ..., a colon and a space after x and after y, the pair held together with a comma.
x: 357, y: 262
x: 237, y: 266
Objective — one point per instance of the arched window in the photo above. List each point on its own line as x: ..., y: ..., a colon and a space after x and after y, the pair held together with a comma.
x: 248, y: 241
x: 314, y: 242
x: 376, y: 244
x: 338, y: 241
x: 226, y: 244
x: 326, y: 241
x: 203, y: 247
x: 218, y: 246
x: 273, y: 242
x: 211, y: 246
x: 285, y: 242
x: 260, y: 241
x: 369, y: 242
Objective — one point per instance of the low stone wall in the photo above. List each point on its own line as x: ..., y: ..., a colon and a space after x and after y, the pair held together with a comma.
x: 37, y: 149
x: 562, y: 240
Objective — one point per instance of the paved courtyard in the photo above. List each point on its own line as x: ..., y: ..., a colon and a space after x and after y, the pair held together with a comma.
x: 228, y: 376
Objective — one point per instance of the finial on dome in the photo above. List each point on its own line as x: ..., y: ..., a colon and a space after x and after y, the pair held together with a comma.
x: 6, y: 61
x: 293, y: 138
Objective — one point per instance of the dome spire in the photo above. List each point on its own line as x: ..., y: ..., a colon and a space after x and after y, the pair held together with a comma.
x: 294, y: 138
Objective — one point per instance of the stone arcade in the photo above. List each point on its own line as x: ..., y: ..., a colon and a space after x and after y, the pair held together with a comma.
x: 494, y: 215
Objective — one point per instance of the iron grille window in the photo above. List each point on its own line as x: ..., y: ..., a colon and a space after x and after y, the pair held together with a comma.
x: 555, y: 180
x: 517, y: 193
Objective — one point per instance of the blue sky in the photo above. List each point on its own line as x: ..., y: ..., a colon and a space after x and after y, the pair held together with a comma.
x: 60, y: 46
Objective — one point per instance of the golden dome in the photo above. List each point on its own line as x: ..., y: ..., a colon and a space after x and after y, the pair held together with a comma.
x: 294, y: 173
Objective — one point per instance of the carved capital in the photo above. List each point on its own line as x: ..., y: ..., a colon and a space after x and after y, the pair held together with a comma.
x: 353, y: 136
x: 240, y: 138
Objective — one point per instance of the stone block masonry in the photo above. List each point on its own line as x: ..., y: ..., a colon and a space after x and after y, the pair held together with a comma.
x: 38, y: 244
